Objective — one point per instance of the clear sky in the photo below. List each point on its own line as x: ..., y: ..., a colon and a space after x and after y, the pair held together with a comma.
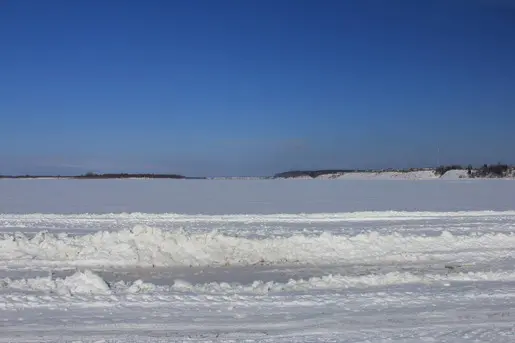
x: 254, y: 87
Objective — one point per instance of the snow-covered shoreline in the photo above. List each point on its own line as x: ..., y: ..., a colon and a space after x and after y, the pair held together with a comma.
x: 453, y: 174
x: 443, y: 173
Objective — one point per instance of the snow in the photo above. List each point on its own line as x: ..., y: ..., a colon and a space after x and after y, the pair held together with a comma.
x: 87, y: 282
x: 79, y: 283
x: 257, y: 260
x: 384, y: 175
x: 146, y: 246
x: 412, y: 175
x: 455, y: 174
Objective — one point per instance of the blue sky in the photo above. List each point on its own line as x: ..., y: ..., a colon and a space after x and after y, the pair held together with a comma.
x: 254, y: 87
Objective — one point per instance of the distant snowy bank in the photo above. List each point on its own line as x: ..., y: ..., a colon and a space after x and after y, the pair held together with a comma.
x: 414, y: 175
x: 485, y: 172
x: 499, y: 171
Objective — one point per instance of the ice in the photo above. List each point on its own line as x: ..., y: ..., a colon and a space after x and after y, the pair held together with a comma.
x: 219, y: 197
x: 257, y: 260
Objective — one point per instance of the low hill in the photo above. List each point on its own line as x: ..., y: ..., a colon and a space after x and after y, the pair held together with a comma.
x: 443, y: 172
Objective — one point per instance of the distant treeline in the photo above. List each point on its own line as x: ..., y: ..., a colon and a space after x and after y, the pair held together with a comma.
x: 127, y: 176
x: 22, y: 176
x: 102, y: 176
x: 492, y: 170
x: 496, y: 170
x: 310, y: 173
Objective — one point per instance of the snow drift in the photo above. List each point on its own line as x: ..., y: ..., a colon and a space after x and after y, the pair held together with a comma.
x: 147, y: 246
x: 87, y: 282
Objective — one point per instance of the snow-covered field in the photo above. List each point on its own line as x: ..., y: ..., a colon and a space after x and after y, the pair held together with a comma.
x: 257, y: 261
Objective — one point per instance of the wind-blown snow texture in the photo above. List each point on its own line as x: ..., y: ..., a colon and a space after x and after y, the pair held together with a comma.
x: 335, y: 261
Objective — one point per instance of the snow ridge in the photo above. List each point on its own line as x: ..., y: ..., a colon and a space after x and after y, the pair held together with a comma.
x: 148, y: 246
x: 87, y: 282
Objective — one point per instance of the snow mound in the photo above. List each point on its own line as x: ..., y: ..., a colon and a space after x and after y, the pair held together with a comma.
x: 85, y: 282
x: 336, y: 282
x: 147, y: 246
x: 455, y: 174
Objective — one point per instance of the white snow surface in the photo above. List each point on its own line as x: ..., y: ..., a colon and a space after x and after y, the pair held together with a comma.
x: 257, y: 261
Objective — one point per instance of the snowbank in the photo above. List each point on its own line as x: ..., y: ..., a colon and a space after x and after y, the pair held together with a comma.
x: 86, y: 282
x: 342, y: 282
x: 147, y: 246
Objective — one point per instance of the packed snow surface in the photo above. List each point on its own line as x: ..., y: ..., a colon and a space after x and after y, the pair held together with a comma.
x: 337, y: 260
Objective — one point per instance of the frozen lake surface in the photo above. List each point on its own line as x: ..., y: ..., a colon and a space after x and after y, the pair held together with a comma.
x: 257, y: 261
x: 252, y: 196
